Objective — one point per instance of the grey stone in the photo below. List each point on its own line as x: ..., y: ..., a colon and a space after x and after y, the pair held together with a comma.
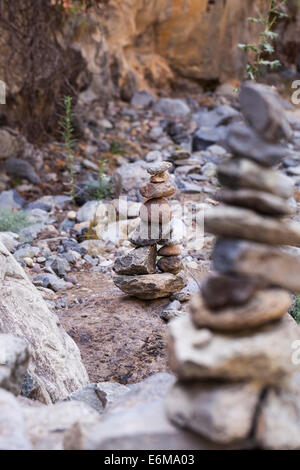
x: 261, y: 107
x: 88, y: 395
x: 244, y: 142
x: 172, y: 107
x: 229, y: 221
x: 10, y: 144
x: 51, y: 281
x: 263, y: 354
x: 260, y: 201
x: 31, y: 233
x: 10, y: 240
x: 237, y: 173
x: 14, y: 359
x: 221, y: 115
x: 11, y: 200
x: 159, y: 168
x: 26, y: 251
x: 111, y: 393
x: 271, y: 265
x: 88, y: 211
x: 29, y: 386
x: 142, y: 99
x: 186, y: 293
x: 19, y: 168
x: 141, y: 260
x: 145, y: 235
x: 223, y: 413
x: 219, y: 290
x: 13, y: 434
x: 132, y: 173
x: 150, y: 286
x: 204, y: 138
x: 56, y: 202
x: 60, y: 266
x: 48, y: 426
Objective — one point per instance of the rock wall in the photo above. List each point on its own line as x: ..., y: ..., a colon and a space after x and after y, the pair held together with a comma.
x: 146, y: 43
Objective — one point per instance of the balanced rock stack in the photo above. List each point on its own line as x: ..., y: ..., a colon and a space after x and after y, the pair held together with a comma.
x: 137, y: 271
x: 239, y: 381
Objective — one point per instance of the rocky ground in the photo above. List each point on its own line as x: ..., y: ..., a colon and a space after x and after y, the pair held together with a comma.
x: 68, y: 248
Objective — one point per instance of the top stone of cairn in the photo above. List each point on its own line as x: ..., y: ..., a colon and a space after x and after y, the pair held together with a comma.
x: 262, y: 109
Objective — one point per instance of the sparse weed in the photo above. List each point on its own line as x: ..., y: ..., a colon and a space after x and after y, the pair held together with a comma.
x: 264, y: 48
x: 13, y: 221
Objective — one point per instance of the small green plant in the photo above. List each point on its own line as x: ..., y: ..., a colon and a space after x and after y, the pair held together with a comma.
x: 103, y: 189
x: 116, y: 148
x: 295, y: 309
x: 13, y: 221
x: 69, y: 141
x: 264, y: 48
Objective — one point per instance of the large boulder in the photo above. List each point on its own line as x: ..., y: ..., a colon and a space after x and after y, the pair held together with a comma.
x: 55, y: 365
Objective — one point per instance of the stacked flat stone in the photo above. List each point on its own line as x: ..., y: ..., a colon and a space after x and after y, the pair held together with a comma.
x: 137, y: 271
x: 237, y: 380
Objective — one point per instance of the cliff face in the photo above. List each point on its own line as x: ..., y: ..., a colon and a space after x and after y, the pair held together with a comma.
x: 146, y: 43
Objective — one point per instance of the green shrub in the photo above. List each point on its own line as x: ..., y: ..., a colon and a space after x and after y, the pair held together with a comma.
x: 13, y: 221
x: 104, y: 189
x: 295, y: 309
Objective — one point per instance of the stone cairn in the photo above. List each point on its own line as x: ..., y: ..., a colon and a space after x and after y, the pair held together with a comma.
x: 137, y: 270
x: 238, y: 384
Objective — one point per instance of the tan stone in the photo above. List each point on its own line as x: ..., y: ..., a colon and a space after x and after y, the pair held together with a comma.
x: 160, y: 178
x: 156, y: 211
x: 151, y: 286
x: 170, y: 264
x: 170, y: 250
x: 263, y: 354
x: 157, y: 190
x: 228, y: 221
x: 222, y: 413
x: 266, y: 306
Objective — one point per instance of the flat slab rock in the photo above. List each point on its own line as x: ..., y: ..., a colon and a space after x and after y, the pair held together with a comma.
x: 228, y: 221
x: 238, y: 173
x: 263, y: 354
x: 264, y: 307
x: 149, y: 287
x: 260, y: 201
x: 276, y: 266
x: 222, y: 413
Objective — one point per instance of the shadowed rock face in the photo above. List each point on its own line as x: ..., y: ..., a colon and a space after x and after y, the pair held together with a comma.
x: 148, y: 42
